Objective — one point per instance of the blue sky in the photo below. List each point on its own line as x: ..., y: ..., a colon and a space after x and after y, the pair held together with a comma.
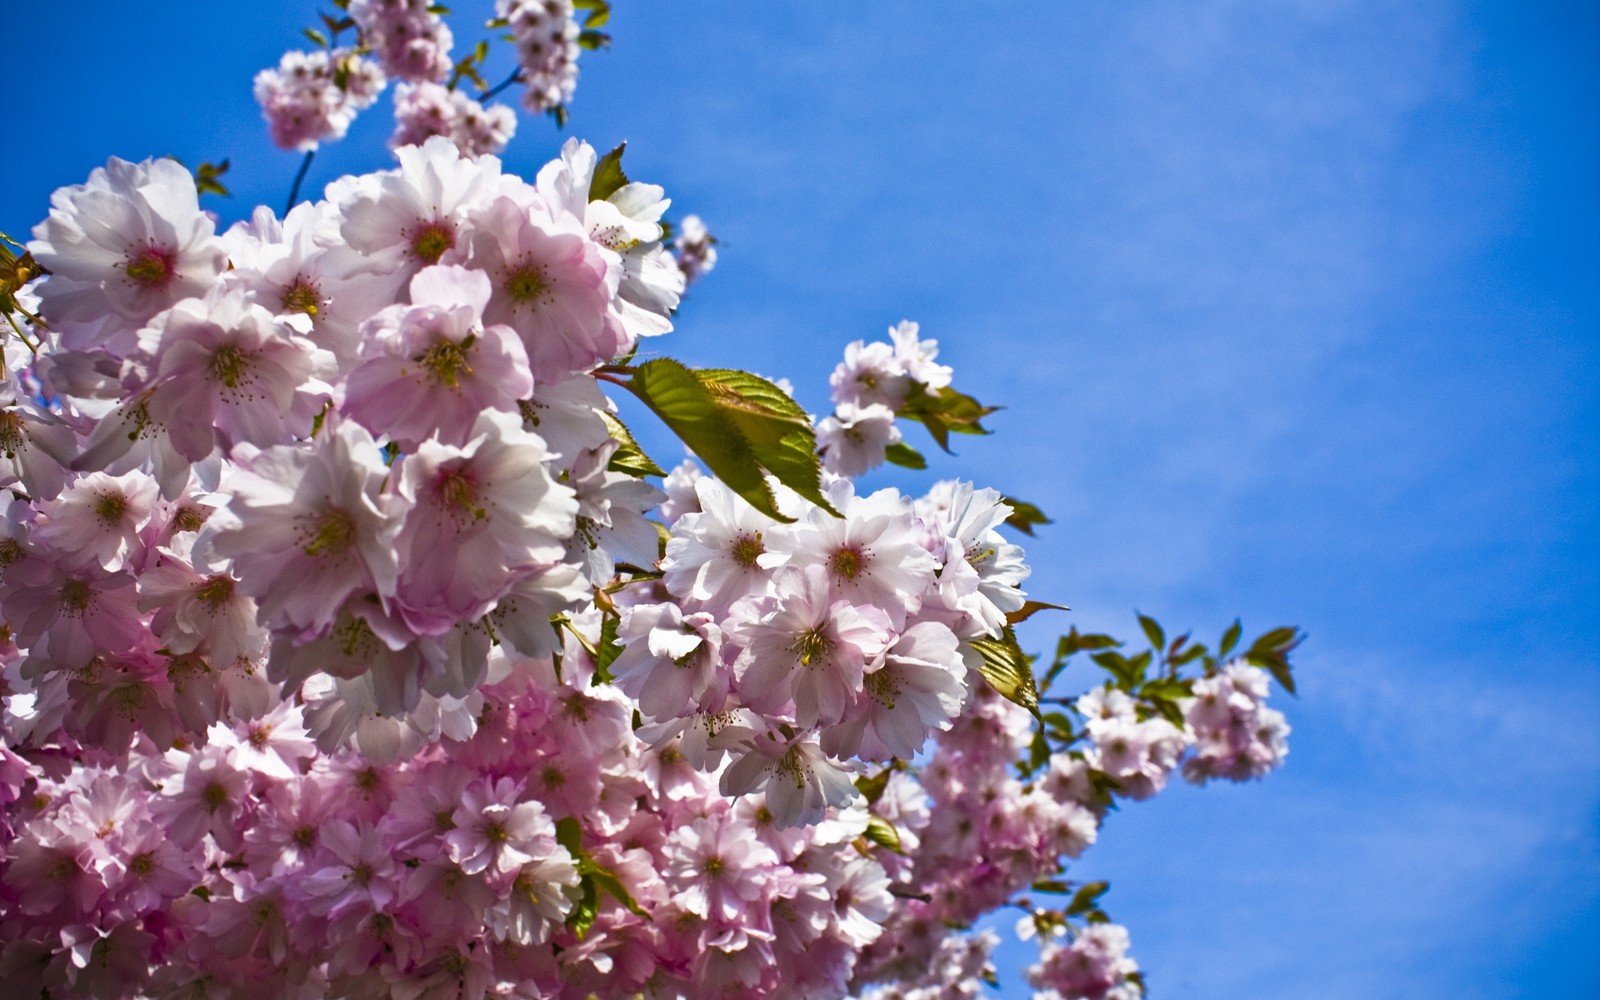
x: 1295, y: 308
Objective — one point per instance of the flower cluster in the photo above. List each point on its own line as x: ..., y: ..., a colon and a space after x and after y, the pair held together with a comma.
x: 868, y: 388
x: 425, y: 109
x: 1237, y: 737
x: 545, y: 33
x: 408, y: 37
x: 1138, y: 753
x: 1093, y: 966
x: 312, y: 97
x: 347, y: 650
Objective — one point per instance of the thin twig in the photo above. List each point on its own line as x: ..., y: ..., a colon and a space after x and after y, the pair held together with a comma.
x: 294, y: 192
x: 502, y: 85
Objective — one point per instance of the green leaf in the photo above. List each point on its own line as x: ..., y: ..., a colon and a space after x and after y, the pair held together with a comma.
x: 583, y: 913
x: 1279, y: 640
x: 1007, y: 669
x: 1024, y: 515
x: 593, y: 40
x: 882, y: 832
x: 1274, y: 664
x: 608, y: 176
x: 1152, y: 631
x: 1086, y: 898
x: 905, y: 456
x: 944, y: 410
x: 206, y: 179
x: 1167, y: 687
x: 629, y: 458
x: 871, y: 786
x: 609, y: 649
x: 1031, y: 608
x: 317, y: 37
x: 569, y: 834
x: 1230, y: 638
x: 1054, y: 885
x: 599, y: 14
x: 778, y: 428
x: 740, y: 426
x: 608, y: 881
x: 1168, y: 710
x: 1038, y: 752
x: 1060, y: 725
x: 1129, y: 673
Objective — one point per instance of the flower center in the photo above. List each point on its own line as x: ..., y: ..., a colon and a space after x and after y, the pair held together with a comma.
x: 230, y: 366
x: 811, y: 645
x: 447, y: 361
x: 847, y: 563
x: 525, y: 283
x: 746, y: 549
x: 303, y: 296
x: 215, y: 796
x: 333, y: 534
x: 431, y: 242
x: 458, y: 493
x: 151, y: 267
x: 110, y: 508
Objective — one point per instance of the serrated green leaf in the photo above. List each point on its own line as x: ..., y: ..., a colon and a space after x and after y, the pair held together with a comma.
x: 317, y: 37
x: 569, y: 834
x: 608, y: 176
x: 629, y: 459
x: 740, y: 425
x: 608, y: 650
x: 905, y: 456
x: 583, y: 913
x: 607, y: 880
x: 1275, y: 665
x: 882, y: 832
x: 1007, y: 669
x: 682, y: 402
x: 871, y: 786
x: 1024, y: 515
x: 1167, y: 710
x: 1085, y: 898
x: 1279, y: 639
x: 1152, y: 631
x: 1054, y: 885
x: 1038, y: 751
x: 1167, y: 687
x: 1127, y: 673
x: 944, y: 410
x: 1230, y: 638
x: 1031, y: 608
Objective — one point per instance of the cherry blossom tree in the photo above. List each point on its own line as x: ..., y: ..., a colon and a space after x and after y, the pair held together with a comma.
x: 354, y: 647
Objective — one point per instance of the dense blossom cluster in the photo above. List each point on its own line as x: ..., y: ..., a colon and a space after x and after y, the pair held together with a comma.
x: 312, y: 97
x: 408, y: 38
x: 1093, y: 966
x: 1237, y: 737
x: 423, y: 110
x: 346, y: 648
x: 868, y: 387
x: 545, y: 34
